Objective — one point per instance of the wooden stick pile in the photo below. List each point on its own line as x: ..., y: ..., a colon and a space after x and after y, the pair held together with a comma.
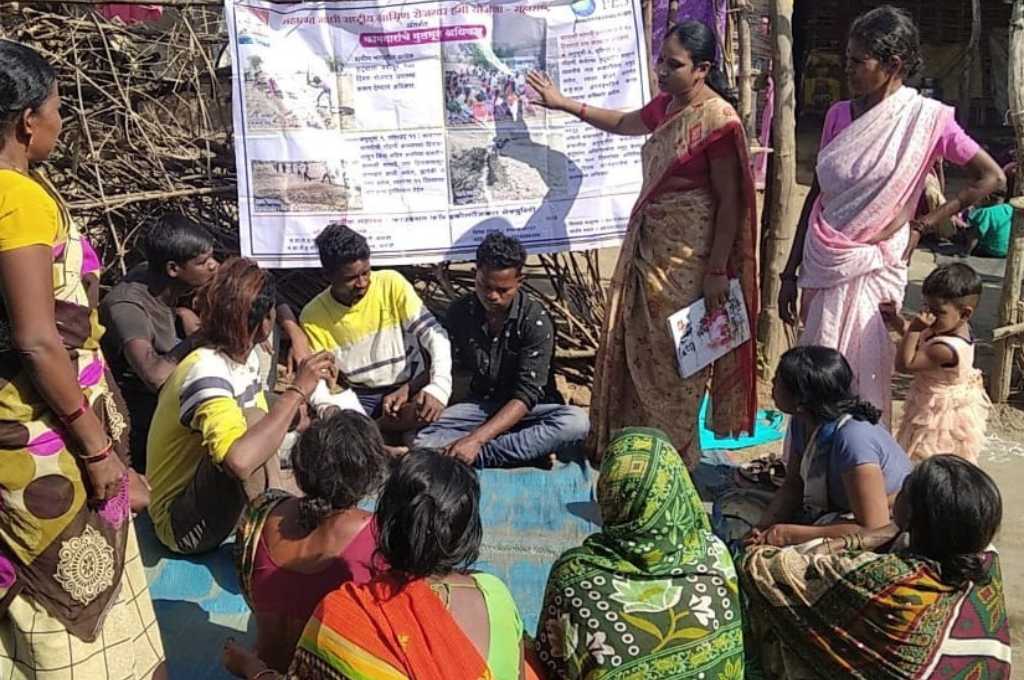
x: 147, y: 128
x: 146, y: 120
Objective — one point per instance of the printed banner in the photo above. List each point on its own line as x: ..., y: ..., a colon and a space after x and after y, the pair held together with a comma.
x: 412, y: 123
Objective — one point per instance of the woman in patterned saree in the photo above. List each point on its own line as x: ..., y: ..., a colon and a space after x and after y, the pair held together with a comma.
x: 856, y: 233
x: 73, y: 596
x: 654, y: 594
x: 691, y: 230
x: 925, y: 604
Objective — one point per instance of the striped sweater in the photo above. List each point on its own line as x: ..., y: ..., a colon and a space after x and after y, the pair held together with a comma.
x: 380, y: 341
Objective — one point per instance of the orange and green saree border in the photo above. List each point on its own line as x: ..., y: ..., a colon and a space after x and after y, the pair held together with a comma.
x: 388, y: 629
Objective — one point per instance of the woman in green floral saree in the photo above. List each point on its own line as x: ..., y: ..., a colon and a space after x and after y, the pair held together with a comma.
x: 654, y: 594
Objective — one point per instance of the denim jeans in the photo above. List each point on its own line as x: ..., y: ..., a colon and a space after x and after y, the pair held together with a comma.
x: 546, y: 429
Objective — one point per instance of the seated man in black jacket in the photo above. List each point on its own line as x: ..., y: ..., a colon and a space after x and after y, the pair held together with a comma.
x: 514, y: 415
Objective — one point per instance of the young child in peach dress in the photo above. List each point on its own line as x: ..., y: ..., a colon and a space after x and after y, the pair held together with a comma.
x: 947, y: 407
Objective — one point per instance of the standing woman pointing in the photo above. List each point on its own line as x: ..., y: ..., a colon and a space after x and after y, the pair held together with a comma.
x: 692, y: 229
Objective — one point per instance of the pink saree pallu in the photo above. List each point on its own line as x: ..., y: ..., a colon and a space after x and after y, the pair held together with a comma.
x: 870, y: 174
x: 661, y: 270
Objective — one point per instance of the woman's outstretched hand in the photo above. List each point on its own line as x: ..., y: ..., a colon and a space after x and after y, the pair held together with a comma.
x: 547, y: 92
x: 242, y: 662
x: 314, y: 368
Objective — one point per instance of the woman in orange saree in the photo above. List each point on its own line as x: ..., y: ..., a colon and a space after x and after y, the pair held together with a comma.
x: 429, y: 617
x: 692, y: 229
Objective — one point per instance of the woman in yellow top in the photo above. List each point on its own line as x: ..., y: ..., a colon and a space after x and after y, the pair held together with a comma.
x: 73, y: 594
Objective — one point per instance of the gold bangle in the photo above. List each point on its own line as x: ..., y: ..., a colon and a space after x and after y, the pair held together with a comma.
x: 297, y: 390
x: 99, y: 456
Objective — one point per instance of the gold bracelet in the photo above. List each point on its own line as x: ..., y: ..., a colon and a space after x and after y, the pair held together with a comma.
x: 99, y: 456
x: 297, y: 390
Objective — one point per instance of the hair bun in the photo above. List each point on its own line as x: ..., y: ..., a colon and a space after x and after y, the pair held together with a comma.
x: 960, y: 570
x: 312, y: 511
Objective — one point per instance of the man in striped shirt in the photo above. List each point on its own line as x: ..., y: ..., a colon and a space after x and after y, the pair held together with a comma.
x: 386, y: 343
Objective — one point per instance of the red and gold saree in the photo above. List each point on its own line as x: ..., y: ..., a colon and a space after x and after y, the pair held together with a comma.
x: 660, y: 270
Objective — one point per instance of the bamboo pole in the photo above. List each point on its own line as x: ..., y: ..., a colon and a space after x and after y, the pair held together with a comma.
x: 1010, y: 302
x: 970, y: 55
x: 648, y: 14
x: 745, y: 79
x: 781, y: 217
x: 1008, y: 331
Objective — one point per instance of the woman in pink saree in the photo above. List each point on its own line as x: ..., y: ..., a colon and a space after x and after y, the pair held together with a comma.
x: 690, y: 232
x: 856, y: 233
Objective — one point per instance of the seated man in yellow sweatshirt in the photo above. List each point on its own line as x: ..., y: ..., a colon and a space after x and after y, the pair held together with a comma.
x: 387, y: 345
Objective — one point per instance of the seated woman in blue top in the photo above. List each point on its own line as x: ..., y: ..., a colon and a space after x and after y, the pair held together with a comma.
x: 844, y: 468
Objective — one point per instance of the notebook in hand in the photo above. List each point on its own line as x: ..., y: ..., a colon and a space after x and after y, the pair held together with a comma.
x: 701, y: 338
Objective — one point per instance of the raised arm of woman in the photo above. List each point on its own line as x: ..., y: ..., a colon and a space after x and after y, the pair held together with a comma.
x: 788, y: 311
x: 261, y: 441
x: 26, y: 281
x: 616, y: 122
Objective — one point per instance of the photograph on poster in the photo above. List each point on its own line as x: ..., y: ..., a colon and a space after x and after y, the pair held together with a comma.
x: 304, y: 186
x: 412, y: 120
x: 501, y: 167
x: 485, y: 80
x: 287, y: 96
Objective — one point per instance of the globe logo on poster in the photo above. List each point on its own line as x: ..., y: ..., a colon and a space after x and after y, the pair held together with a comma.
x: 583, y: 8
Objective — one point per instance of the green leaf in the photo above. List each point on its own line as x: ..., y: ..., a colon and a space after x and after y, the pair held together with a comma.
x: 688, y: 634
x: 644, y: 625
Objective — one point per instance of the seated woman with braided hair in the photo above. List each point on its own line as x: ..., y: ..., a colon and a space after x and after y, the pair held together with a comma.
x: 865, y: 606
x: 290, y: 551
x: 843, y: 469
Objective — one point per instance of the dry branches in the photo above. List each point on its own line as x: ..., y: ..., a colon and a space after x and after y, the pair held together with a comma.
x: 146, y: 119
